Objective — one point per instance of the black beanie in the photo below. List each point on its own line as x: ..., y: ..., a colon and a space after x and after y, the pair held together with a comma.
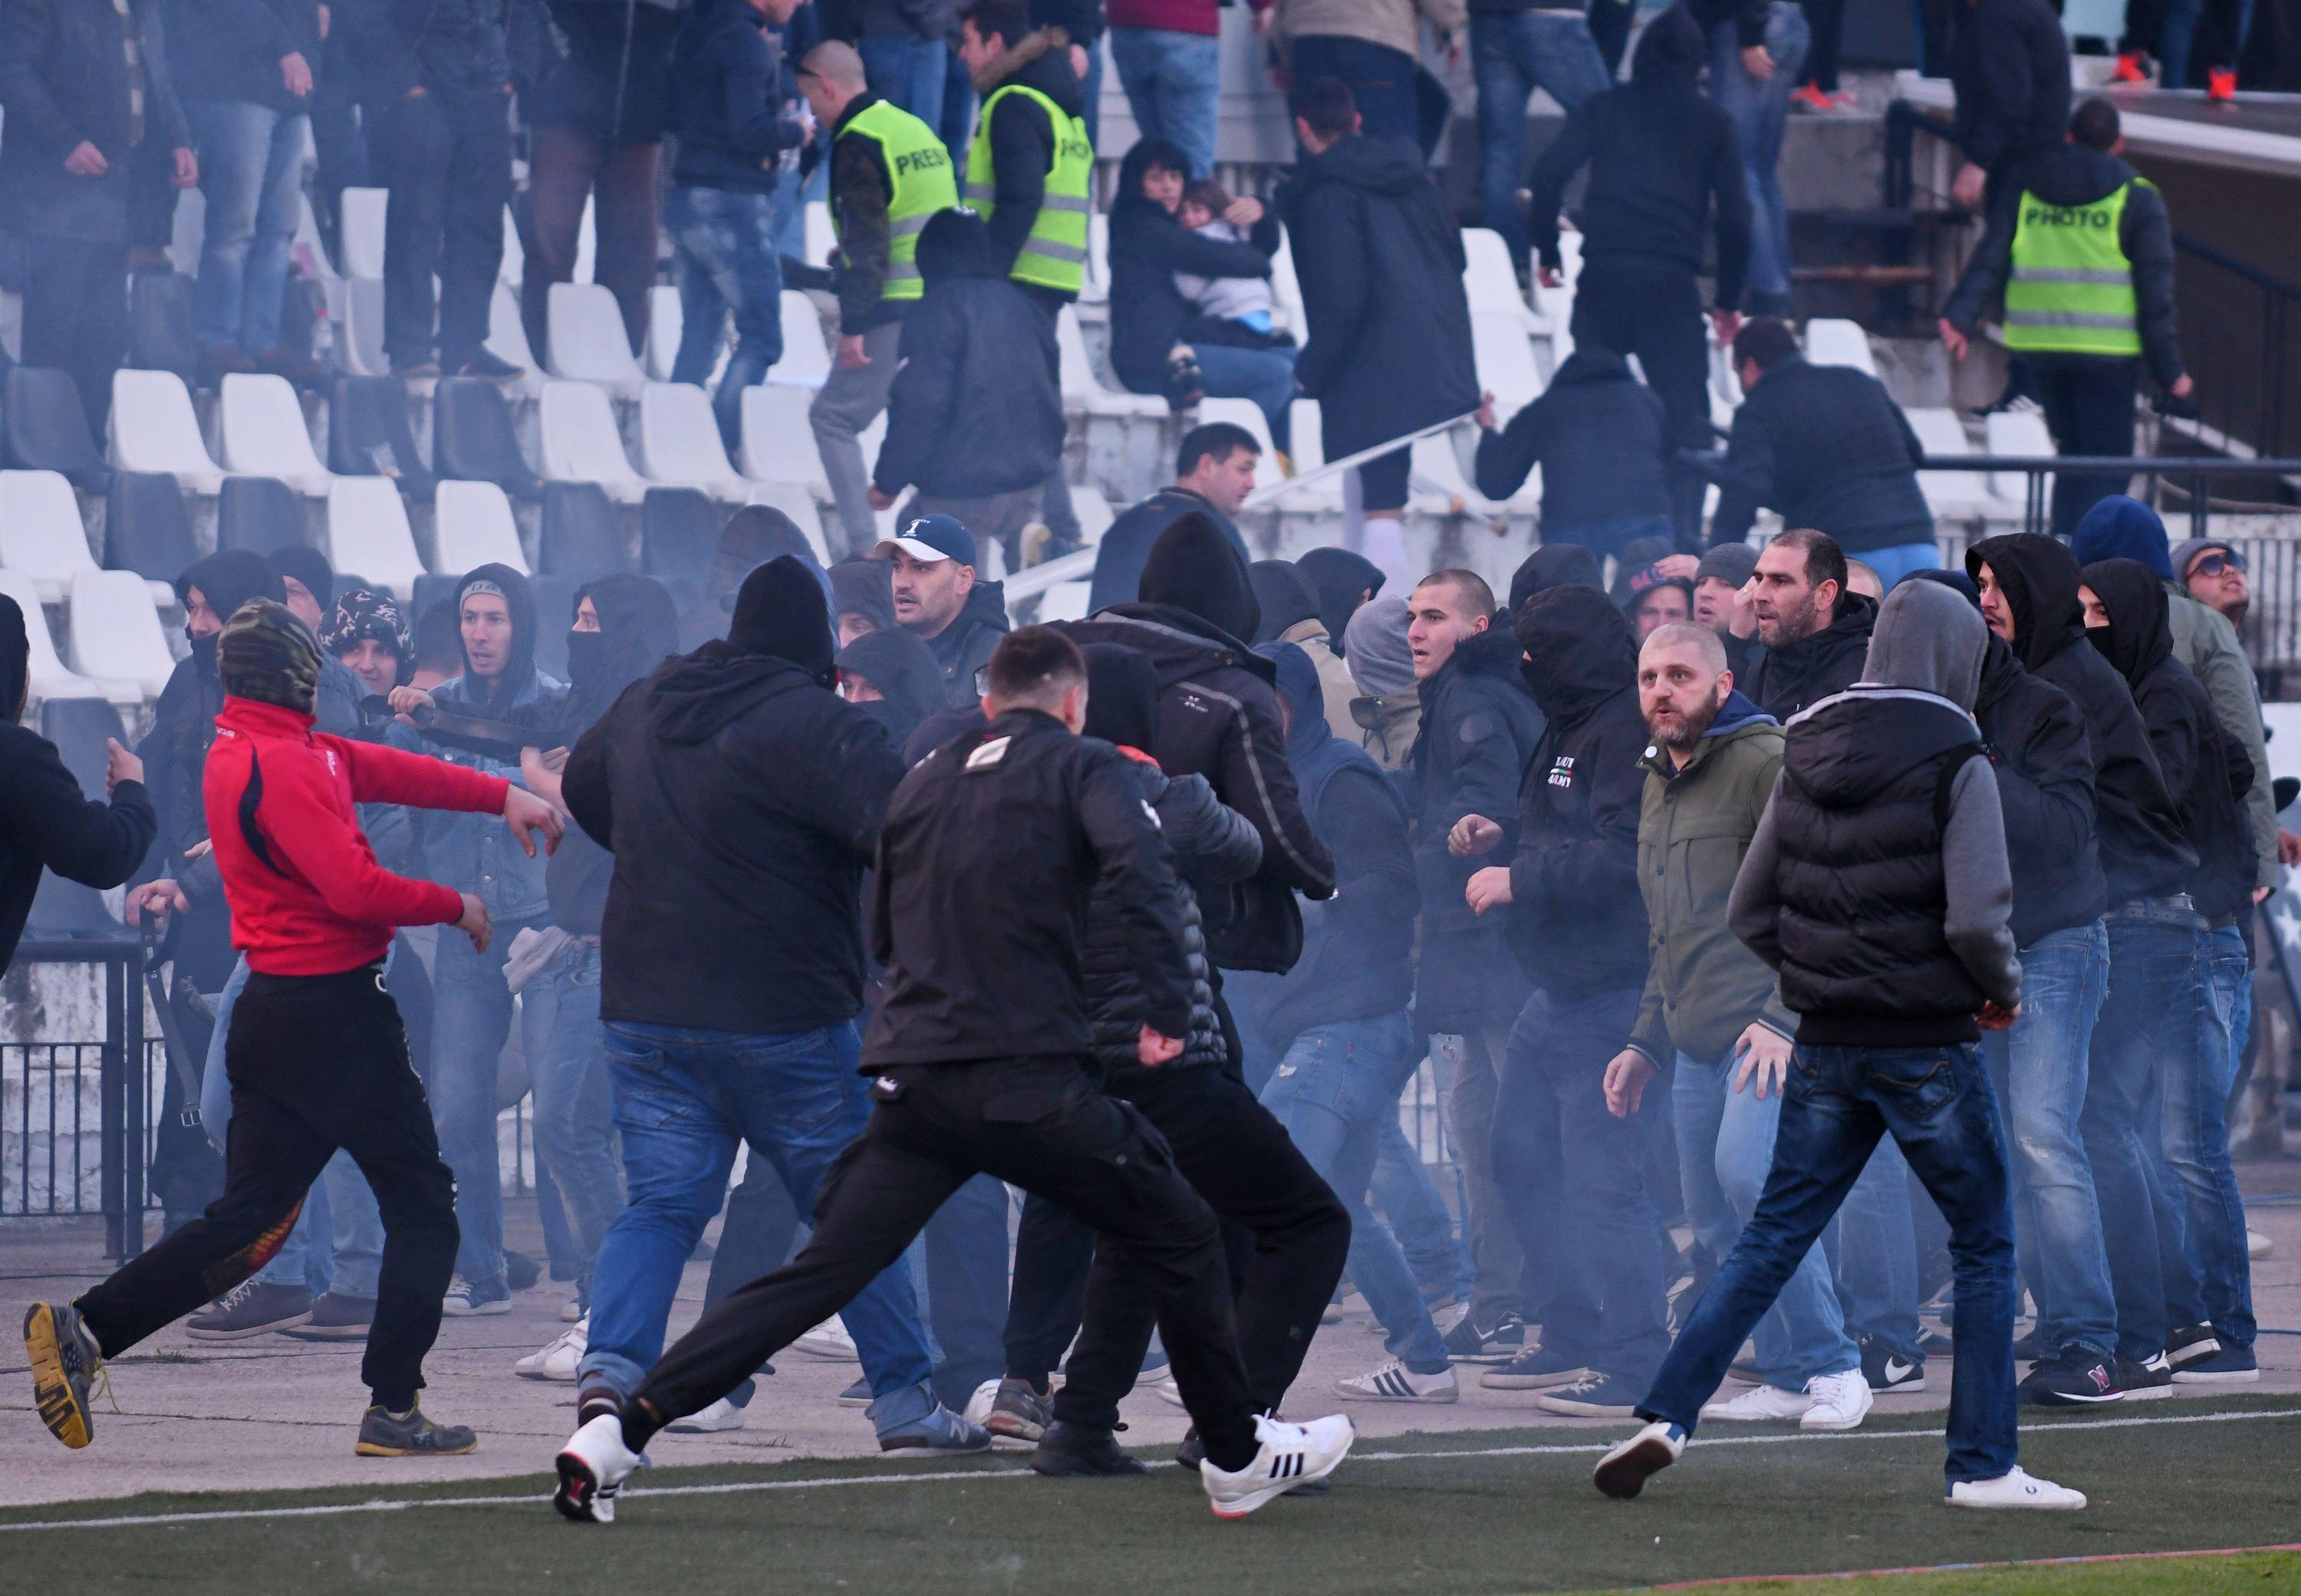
x: 781, y: 611
x: 309, y: 566
x: 1122, y: 696
x: 1193, y: 567
x: 265, y: 654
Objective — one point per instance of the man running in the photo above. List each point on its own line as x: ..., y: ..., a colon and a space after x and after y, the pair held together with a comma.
x: 317, y: 1054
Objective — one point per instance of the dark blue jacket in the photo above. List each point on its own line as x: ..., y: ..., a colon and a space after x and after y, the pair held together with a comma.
x: 231, y: 49
x: 727, y: 105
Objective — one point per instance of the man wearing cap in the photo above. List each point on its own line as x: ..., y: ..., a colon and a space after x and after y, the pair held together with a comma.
x: 939, y: 600
x: 313, y: 913
x: 1719, y: 604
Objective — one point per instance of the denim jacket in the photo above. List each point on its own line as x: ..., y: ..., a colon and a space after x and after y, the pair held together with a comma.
x: 476, y: 853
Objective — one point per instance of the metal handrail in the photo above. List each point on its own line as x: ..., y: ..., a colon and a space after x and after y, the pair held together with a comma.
x: 2037, y: 468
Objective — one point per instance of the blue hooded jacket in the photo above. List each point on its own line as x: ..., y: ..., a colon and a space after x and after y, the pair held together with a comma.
x: 2119, y: 528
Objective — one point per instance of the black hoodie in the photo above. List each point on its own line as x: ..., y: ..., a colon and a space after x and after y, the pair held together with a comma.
x: 2136, y: 824
x: 1575, y: 917
x: 1554, y: 566
x: 1148, y: 246
x: 1599, y: 435
x: 741, y: 798
x: 2207, y: 774
x: 1478, y: 732
x: 965, y: 646
x: 1380, y: 262
x: 904, y: 672
x: 1126, y: 544
x: 1794, y: 676
x: 1660, y: 153
x: 1344, y: 581
x: 2071, y: 175
x: 2036, y: 738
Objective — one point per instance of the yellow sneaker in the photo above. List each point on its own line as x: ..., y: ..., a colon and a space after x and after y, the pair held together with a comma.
x: 67, y: 1366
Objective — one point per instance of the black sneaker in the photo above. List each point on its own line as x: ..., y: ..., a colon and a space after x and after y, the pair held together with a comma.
x: 410, y: 1434
x: 67, y: 1364
x: 2232, y: 1365
x: 2151, y: 1377
x: 250, y: 1309
x: 492, y: 367
x: 335, y: 1318
x: 1467, y: 1343
x: 2077, y: 1378
x: 1079, y: 1450
x: 2029, y: 1349
x: 1535, y: 1370
x: 1192, y: 1451
x: 1020, y: 1412
x: 1887, y: 1369
x: 1936, y: 1344
x: 2190, y: 1344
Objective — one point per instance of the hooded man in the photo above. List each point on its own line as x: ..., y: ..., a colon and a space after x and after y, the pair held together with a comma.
x: 1291, y: 615
x: 1877, y: 884
x: 1478, y: 729
x: 314, y: 915
x: 367, y: 634
x: 731, y: 977
x: 1218, y: 718
x: 862, y: 597
x: 1344, y: 581
x: 1572, y: 1176
x: 1386, y: 717
x: 1602, y: 441
x: 46, y: 823
x: 1815, y: 631
x: 472, y: 1012
x: 2206, y: 640
x: 2208, y: 1272
x: 893, y: 678
x: 1662, y: 157
x: 1711, y: 1009
x: 1553, y: 565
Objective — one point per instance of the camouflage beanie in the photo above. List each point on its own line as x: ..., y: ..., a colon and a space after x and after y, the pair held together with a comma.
x: 265, y: 654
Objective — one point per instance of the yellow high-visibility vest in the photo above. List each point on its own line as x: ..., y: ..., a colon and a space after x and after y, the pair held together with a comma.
x: 918, y: 168
x: 2071, y: 290
x: 1054, y: 256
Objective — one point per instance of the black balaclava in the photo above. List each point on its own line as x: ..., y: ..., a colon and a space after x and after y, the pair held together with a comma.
x: 1121, y: 696
x: 227, y: 580
x: 907, y: 673
x: 15, y: 660
x: 1193, y: 567
x: 1345, y: 580
x: 1578, y: 648
x: 1286, y: 595
x: 519, y: 598
x: 638, y: 630
x: 264, y: 654
x: 781, y: 611
x: 2139, y: 635
x: 1553, y: 565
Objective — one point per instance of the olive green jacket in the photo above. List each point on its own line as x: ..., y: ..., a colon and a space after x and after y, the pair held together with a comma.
x: 2204, y: 641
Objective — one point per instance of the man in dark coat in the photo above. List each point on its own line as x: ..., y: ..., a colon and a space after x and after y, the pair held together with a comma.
x: 1214, y: 471
x: 1602, y: 441
x: 45, y: 821
x: 2010, y: 67
x: 1380, y: 260
x: 1816, y: 633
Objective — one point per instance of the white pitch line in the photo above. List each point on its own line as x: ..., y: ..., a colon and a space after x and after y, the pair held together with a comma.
x: 741, y: 1487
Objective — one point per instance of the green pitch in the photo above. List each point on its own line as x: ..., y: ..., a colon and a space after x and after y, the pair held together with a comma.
x: 1501, y: 1511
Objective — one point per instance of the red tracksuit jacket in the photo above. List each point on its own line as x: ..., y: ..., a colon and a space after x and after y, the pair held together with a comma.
x: 307, y: 897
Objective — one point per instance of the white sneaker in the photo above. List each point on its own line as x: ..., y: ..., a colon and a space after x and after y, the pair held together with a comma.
x: 1291, y: 1456
x: 828, y: 1340
x: 2015, y: 1489
x: 1396, y: 1383
x: 558, y: 1360
x: 1623, y: 1472
x: 722, y: 1414
x: 979, y: 1405
x: 593, y: 1465
x: 1840, y: 1401
x: 1760, y: 1403
x: 2258, y: 1246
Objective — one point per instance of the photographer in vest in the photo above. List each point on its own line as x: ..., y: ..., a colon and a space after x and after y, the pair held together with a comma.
x: 890, y: 172
x: 2081, y: 245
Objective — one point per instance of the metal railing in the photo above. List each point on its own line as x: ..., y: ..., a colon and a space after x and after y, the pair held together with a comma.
x: 122, y: 1095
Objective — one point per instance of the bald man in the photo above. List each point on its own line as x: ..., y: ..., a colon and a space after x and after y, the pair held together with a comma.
x: 890, y: 172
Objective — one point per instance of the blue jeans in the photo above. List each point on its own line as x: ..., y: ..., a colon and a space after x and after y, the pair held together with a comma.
x: 1573, y: 1178
x: 1725, y: 1149
x: 2203, y: 1187
x: 2147, y: 1033
x: 1878, y: 1255
x: 470, y: 1021
x: 1266, y: 376
x: 1512, y: 54
x: 251, y: 171
x: 1900, y: 560
x: 1936, y: 1103
x: 1760, y: 113
x: 1381, y: 80
x: 2040, y: 1069
x: 907, y: 70
x: 1333, y: 1092
x: 963, y: 1253
x: 1408, y: 1199
x: 725, y: 242
x: 1609, y: 537
x: 1173, y: 87
x: 574, y: 1117
x: 684, y: 1096
x: 339, y: 1207
x: 957, y: 125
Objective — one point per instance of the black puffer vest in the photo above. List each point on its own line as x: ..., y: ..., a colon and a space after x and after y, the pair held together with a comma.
x: 1859, y: 817
x: 1114, y: 990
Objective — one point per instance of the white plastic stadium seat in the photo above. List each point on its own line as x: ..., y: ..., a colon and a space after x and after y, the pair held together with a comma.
x: 663, y: 325
x: 587, y: 239
x: 1286, y: 286
x: 473, y: 527
x: 507, y: 334
x: 1505, y: 360
x: 1948, y: 492
x: 368, y: 532
x: 1833, y: 341
x: 264, y: 435
x: 778, y: 444
x: 187, y: 231
x: 359, y: 344
x: 2018, y: 435
x: 580, y: 440
x: 41, y: 539
x: 514, y: 254
x: 1081, y: 387
x: 1096, y: 289
x: 679, y: 442
x: 1488, y: 279
x: 820, y: 238
x: 1093, y: 512
x: 806, y: 359
x: 588, y: 340
x: 363, y: 231
x: 49, y: 677
x: 154, y: 430
x: 115, y: 631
